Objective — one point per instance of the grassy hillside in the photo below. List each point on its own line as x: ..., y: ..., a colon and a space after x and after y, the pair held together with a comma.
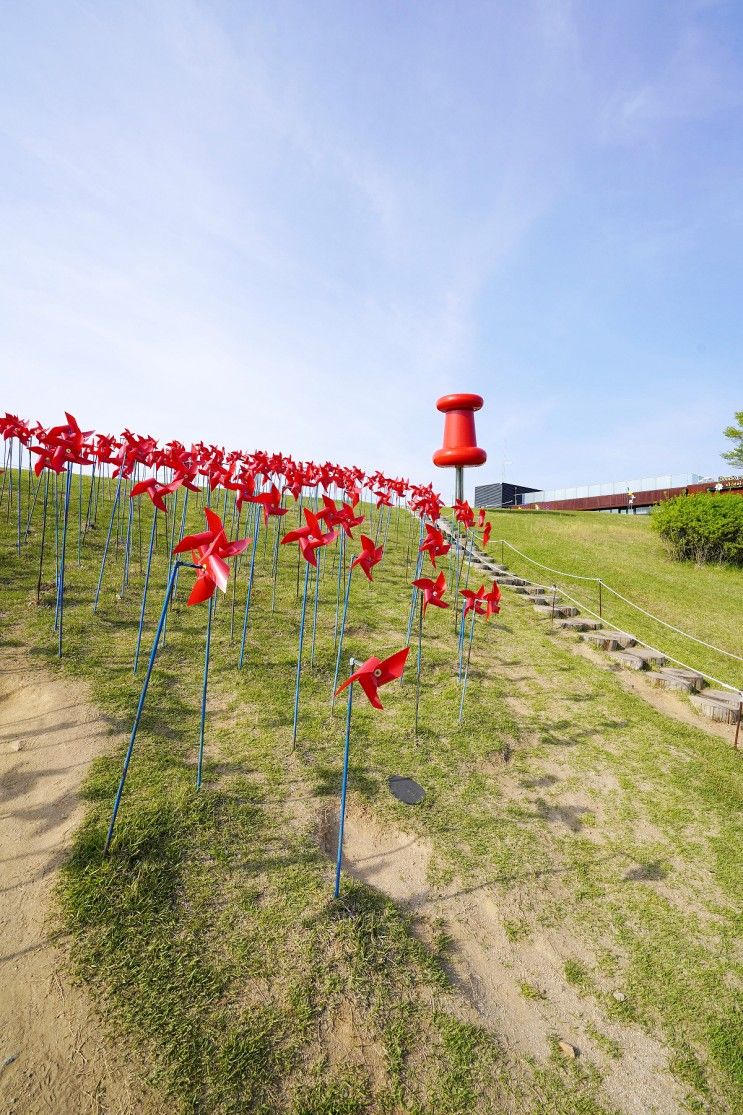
x: 602, y: 836
x: 625, y: 552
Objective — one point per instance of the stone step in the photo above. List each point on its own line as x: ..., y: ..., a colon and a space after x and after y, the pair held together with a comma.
x: 718, y: 704
x: 525, y: 590
x: 579, y: 623
x: 609, y: 640
x: 511, y: 582
x: 535, y: 590
x: 560, y: 611
x: 678, y: 679
x: 639, y: 658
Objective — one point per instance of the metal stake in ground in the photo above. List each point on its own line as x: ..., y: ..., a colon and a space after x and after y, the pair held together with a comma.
x: 138, y: 715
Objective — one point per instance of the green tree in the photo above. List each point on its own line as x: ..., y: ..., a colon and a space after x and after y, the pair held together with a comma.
x: 735, y: 433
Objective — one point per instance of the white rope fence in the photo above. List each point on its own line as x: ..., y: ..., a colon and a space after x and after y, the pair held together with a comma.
x: 631, y: 603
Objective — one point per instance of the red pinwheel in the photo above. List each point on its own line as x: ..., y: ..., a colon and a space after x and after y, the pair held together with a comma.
x: 434, y: 544
x: 473, y: 600
x: 486, y: 533
x: 481, y: 518
x: 210, y: 548
x: 156, y: 491
x: 310, y: 537
x: 432, y: 591
x: 370, y: 555
x: 271, y: 503
x: 463, y: 513
x: 375, y: 672
x: 492, y: 600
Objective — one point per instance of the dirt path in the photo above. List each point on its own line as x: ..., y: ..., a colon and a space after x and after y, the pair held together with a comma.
x: 52, y: 1056
x: 491, y: 970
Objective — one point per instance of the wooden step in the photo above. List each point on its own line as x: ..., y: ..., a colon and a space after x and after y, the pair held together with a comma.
x: 718, y: 704
x: 677, y: 679
x: 639, y: 658
x: 609, y: 640
x: 579, y: 623
x: 560, y: 611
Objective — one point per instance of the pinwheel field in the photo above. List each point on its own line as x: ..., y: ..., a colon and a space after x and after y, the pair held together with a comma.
x: 552, y: 929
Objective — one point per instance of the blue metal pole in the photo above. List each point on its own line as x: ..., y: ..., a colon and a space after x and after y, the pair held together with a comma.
x: 20, y: 485
x: 314, y: 610
x: 60, y: 581
x: 140, y: 706
x: 108, y: 538
x: 250, y: 588
x: 461, y: 649
x: 341, y: 567
x: 144, y: 592
x: 344, y: 789
x: 467, y: 668
x: 299, y: 654
x: 33, y: 508
x: 200, y: 764
x: 340, y: 639
x: 79, y: 513
x: 127, y: 547
x: 418, y: 666
x: 418, y: 570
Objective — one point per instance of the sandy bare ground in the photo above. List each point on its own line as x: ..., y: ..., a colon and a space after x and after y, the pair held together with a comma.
x: 53, y: 1056
x: 489, y: 969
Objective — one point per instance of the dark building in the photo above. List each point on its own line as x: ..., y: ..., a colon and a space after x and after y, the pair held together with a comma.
x: 501, y: 495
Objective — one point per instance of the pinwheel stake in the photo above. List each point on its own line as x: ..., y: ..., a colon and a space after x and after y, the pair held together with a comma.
x: 250, y: 590
x: 106, y: 544
x: 370, y: 556
x: 43, y: 533
x: 200, y: 763
x: 144, y: 591
x: 370, y: 675
x: 295, y: 719
x: 310, y: 538
x: 432, y: 592
x: 210, y: 549
x: 138, y: 715
x: 467, y: 667
x: 480, y: 603
x: 60, y: 578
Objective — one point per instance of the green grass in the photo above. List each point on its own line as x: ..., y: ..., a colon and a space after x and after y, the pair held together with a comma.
x: 625, y: 552
x: 210, y: 935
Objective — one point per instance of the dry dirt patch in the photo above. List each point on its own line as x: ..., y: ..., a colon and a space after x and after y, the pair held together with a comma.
x: 52, y: 1055
x: 491, y: 970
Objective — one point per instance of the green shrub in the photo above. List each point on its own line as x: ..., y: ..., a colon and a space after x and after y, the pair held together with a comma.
x: 702, y: 527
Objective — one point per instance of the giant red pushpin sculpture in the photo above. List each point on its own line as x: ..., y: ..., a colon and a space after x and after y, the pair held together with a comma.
x: 460, y: 449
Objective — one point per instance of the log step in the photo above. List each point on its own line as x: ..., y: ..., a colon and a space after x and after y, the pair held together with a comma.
x: 718, y: 704
x: 609, y: 640
x: 579, y: 623
x: 639, y: 658
x: 560, y: 611
x: 678, y: 679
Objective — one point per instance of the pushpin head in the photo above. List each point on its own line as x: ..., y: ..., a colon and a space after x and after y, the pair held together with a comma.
x: 460, y: 448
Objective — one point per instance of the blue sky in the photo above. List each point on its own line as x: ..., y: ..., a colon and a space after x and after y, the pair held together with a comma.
x: 292, y: 226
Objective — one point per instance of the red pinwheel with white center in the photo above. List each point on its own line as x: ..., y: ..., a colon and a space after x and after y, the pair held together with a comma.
x: 433, y: 591
x: 473, y: 600
x: 270, y: 501
x: 210, y: 549
x: 434, y: 544
x: 310, y: 537
x: 156, y: 491
x: 376, y: 672
x: 492, y: 601
x: 370, y: 556
x: 463, y: 513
